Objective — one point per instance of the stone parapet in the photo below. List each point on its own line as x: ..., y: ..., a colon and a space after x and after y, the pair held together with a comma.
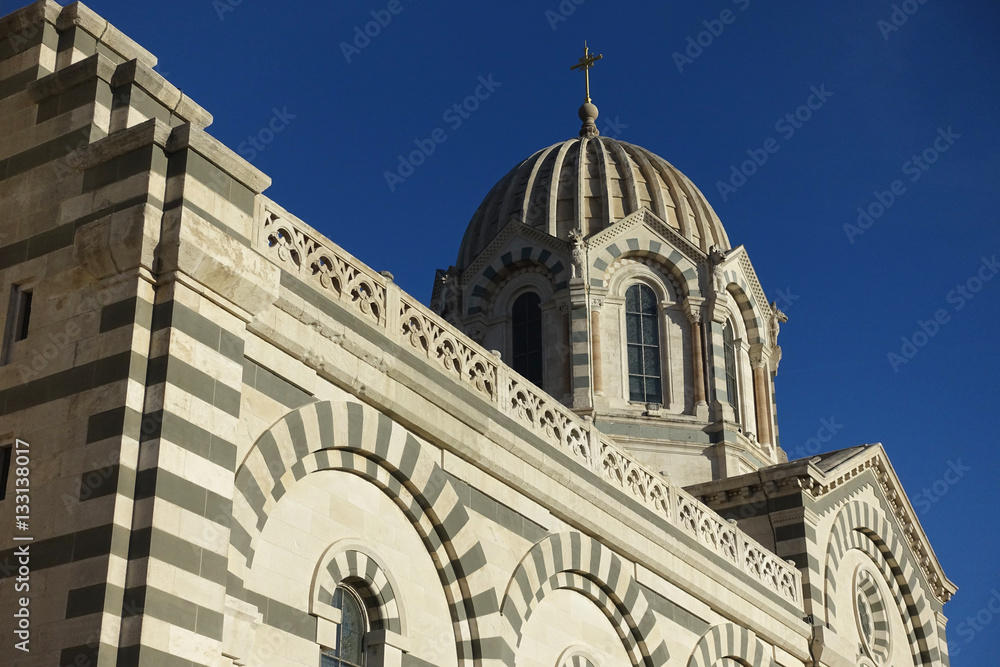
x: 308, y: 256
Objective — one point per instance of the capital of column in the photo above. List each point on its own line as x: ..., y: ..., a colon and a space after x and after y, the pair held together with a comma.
x: 597, y: 297
x: 693, y: 308
x: 760, y: 355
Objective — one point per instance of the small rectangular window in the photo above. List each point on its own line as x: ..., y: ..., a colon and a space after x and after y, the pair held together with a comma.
x: 5, y: 454
x: 18, y: 319
x: 23, y: 315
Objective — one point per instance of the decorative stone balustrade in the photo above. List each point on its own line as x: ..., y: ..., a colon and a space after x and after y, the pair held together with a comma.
x: 302, y: 251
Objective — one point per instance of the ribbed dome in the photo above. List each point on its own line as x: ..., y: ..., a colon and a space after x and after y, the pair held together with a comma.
x: 589, y: 184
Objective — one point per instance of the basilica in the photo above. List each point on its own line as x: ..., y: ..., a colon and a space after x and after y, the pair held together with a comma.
x: 243, y: 446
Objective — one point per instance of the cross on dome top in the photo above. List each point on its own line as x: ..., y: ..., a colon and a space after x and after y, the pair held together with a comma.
x: 588, y: 112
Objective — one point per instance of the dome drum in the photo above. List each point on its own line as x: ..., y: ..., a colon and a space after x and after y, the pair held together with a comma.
x: 580, y: 226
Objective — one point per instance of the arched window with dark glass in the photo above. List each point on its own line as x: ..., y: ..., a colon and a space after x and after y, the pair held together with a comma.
x: 642, y: 328
x: 526, y: 331
x: 350, y: 648
x: 732, y: 386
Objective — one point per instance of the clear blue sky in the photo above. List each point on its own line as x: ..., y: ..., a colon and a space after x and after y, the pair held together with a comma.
x: 851, y: 297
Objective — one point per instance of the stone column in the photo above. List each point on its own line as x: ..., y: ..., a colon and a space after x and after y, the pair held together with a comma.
x: 761, y: 391
x: 596, y: 357
x: 692, y: 308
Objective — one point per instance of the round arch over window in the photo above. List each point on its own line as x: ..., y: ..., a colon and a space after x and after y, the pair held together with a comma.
x: 350, y: 646
x: 642, y: 331
x: 526, y: 337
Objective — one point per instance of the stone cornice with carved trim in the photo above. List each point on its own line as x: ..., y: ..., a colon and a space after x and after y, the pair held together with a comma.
x: 804, y: 475
x: 876, y: 460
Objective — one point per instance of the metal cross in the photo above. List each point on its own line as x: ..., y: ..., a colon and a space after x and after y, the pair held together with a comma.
x: 586, y: 62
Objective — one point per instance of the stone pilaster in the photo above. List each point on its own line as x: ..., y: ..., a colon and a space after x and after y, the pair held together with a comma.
x: 721, y: 410
x: 693, y: 310
x: 597, y: 358
x: 762, y: 395
x: 579, y: 323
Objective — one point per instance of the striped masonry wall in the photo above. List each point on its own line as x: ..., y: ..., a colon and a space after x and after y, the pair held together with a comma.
x: 860, y: 526
x: 356, y: 438
x: 573, y: 561
x: 731, y: 645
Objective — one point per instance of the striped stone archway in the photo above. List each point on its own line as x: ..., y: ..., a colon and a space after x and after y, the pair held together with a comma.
x: 860, y: 526
x: 730, y: 645
x: 573, y: 561
x: 352, y: 564
x: 355, y: 438
x: 489, y: 282
x: 738, y: 290
x: 680, y: 267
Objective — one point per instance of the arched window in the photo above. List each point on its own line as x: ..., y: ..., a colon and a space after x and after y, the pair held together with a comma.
x: 732, y: 385
x: 526, y: 331
x: 642, y: 328
x: 350, y: 649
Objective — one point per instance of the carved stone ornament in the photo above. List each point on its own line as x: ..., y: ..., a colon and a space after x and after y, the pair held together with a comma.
x: 776, y: 320
x: 449, y: 297
x: 578, y: 255
x: 716, y: 256
x: 476, y: 332
x: 311, y: 258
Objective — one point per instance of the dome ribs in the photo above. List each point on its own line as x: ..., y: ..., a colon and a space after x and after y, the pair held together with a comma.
x: 589, y: 185
x: 606, y: 193
x: 538, y: 191
x: 557, y: 185
x: 703, y: 233
x: 652, y: 181
x: 681, y: 205
x: 717, y: 229
x: 520, y: 179
x: 579, y: 220
x: 630, y: 193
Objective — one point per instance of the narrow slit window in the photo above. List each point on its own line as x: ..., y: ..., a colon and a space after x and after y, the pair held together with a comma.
x: 22, y: 315
x: 732, y: 386
x: 18, y: 320
x: 5, y: 455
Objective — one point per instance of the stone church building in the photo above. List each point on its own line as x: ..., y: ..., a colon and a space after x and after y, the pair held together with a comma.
x: 232, y: 443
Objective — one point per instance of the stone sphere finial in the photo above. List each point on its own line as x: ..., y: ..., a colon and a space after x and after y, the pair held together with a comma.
x: 589, y: 114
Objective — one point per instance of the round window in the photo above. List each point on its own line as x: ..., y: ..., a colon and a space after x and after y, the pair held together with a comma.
x: 870, y: 614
